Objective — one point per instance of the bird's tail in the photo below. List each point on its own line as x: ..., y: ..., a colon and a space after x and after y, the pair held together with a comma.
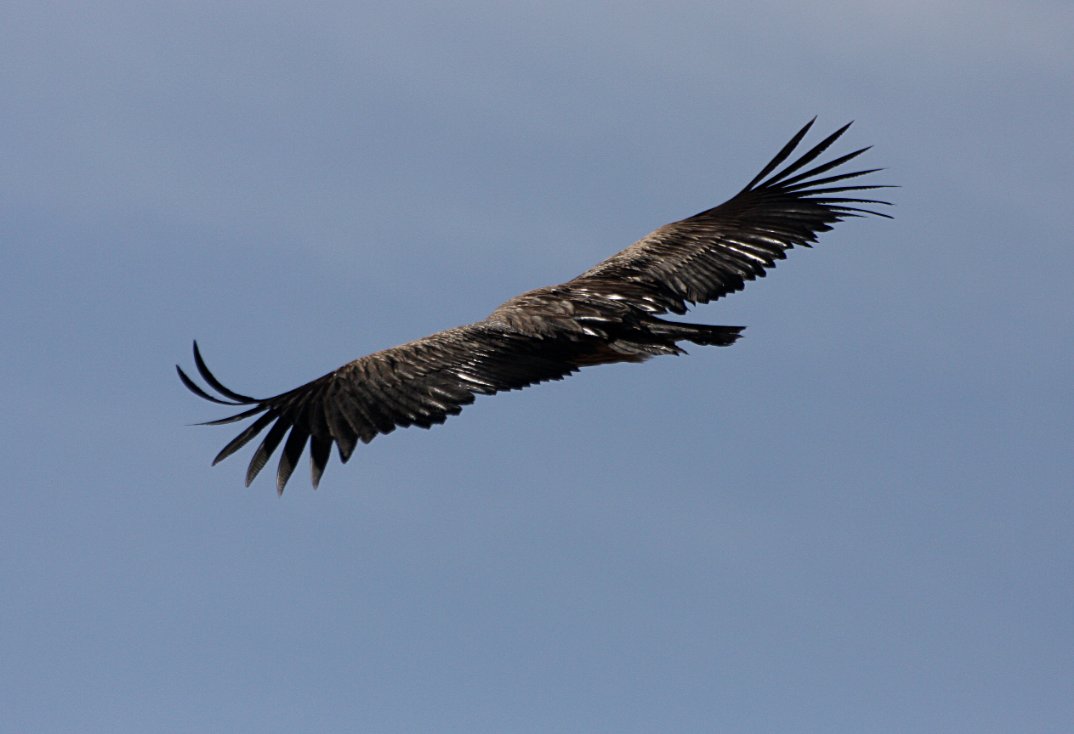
x: 717, y: 336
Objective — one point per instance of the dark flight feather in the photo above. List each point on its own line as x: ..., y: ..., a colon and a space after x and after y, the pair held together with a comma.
x: 610, y: 313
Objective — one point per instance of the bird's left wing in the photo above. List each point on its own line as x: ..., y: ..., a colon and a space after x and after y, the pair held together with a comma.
x: 419, y: 383
x: 714, y: 253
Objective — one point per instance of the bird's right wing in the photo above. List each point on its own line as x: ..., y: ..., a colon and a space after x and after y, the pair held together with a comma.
x: 419, y: 383
x: 714, y: 253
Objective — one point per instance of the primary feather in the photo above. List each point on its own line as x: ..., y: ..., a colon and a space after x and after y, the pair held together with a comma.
x: 610, y: 313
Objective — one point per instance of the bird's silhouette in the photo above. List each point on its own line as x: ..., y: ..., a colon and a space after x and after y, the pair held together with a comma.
x: 610, y: 313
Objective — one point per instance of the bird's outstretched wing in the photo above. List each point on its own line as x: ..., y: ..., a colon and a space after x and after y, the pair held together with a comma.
x: 714, y: 253
x: 419, y: 383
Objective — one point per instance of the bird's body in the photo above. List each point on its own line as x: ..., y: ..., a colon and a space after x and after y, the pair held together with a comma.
x: 610, y: 313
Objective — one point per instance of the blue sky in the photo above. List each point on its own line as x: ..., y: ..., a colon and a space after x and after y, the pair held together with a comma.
x: 858, y: 519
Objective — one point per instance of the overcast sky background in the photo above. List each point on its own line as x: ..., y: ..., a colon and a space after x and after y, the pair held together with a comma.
x: 858, y: 519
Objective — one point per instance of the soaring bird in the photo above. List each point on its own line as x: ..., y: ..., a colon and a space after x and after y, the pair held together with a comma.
x: 610, y: 313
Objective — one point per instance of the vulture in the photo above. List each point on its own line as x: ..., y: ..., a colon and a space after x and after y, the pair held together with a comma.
x: 610, y: 313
